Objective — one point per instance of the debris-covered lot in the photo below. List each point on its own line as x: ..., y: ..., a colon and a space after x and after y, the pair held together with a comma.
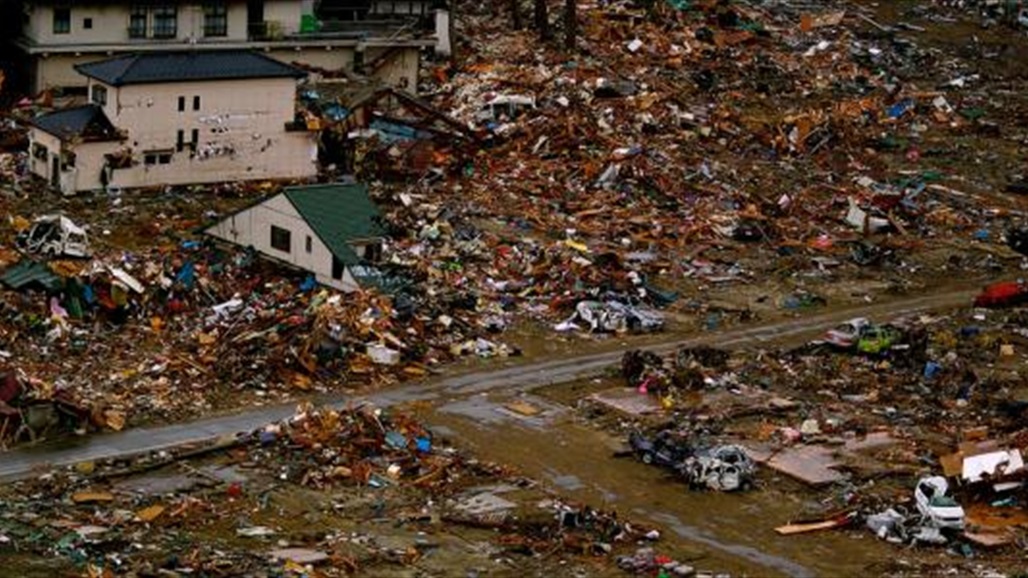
x: 918, y: 443
x: 690, y: 166
x: 325, y: 493
x: 675, y: 168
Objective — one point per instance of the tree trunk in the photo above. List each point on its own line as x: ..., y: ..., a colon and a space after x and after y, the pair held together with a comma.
x: 515, y: 14
x: 570, y: 23
x: 542, y: 19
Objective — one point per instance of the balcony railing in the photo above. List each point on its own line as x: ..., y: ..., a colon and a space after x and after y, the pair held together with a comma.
x: 267, y: 30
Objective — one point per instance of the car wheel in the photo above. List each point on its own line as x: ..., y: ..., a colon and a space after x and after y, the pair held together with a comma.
x: 647, y: 458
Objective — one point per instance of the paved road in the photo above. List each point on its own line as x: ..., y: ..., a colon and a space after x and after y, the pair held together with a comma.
x: 23, y: 463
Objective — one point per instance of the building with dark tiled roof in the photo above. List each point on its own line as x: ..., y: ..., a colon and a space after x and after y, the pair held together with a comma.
x: 176, y: 118
x: 378, y: 38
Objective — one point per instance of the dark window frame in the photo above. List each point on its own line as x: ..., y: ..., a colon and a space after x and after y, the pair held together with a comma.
x: 67, y: 160
x: 164, y: 21
x: 338, y: 269
x: 309, y: 244
x: 138, y: 16
x: 87, y: 23
x: 62, y: 20
x: 215, y: 19
x: 281, y: 239
x: 98, y: 94
x: 158, y: 157
x: 181, y: 104
x: 196, y: 102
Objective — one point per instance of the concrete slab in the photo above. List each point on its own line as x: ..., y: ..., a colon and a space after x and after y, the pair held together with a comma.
x: 627, y: 400
x: 815, y: 464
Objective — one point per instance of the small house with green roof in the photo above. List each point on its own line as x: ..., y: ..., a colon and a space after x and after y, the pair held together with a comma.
x: 332, y: 231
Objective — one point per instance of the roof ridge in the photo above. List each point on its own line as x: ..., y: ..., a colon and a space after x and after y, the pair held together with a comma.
x: 133, y: 61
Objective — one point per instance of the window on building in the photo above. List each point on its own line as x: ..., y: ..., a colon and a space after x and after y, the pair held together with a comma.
x: 180, y: 141
x: 67, y: 160
x: 39, y: 152
x: 196, y: 103
x: 181, y: 103
x: 137, y: 21
x: 194, y: 139
x: 62, y: 20
x: 151, y: 158
x: 165, y: 21
x: 373, y: 252
x: 99, y: 95
x: 215, y: 18
x: 337, y: 268
x: 280, y: 239
x: 309, y: 244
x: 87, y: 23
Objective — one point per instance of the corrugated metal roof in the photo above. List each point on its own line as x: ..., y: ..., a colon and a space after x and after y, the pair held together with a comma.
x: 339, y: 215
x: 28, y: 272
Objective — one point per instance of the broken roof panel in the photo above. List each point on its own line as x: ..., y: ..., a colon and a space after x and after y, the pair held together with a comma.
x: 87, y: 122
x: 27, y: 273
x: 192, y: 65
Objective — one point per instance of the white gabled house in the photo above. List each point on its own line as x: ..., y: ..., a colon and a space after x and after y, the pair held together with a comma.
x: 331, y: 231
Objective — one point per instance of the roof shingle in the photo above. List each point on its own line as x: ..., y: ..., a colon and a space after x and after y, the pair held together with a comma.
x: 88, y: 122
x: 192, y: 65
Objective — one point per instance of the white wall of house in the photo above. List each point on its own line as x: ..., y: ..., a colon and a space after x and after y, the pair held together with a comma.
x: 84, y: 175
x: 240, y: 129
x: 285, y: 14
x: 89, y: 163
x: 333, y: 58
x: 110, y: 24
x: 54, y: 55
x: 252, y: 227
x: 401, y: 70
x: 40, y: 165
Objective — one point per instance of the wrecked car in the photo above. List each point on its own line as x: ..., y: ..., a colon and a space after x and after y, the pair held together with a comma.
x: 862, y: 335
x: 1004, y: 294
x: 504, y: 107
x: 847, y: 334
x: 937, y: 507
x: 54, y: 236
x: 666, y: 449
x: 877, y: 339
x: 613, y: 316
x: 724, y: 468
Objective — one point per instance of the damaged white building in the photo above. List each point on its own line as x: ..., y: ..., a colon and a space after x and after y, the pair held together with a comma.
x: 176, y: 118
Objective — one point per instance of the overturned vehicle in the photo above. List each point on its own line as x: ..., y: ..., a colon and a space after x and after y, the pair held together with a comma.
x: 54, y: 236
x: 722, y: 468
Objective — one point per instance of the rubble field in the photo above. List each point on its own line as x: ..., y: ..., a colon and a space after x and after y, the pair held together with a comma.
x: 843, y: 436
x: 683, y: 166
x: 325, y: 493
x: 689, y: 166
